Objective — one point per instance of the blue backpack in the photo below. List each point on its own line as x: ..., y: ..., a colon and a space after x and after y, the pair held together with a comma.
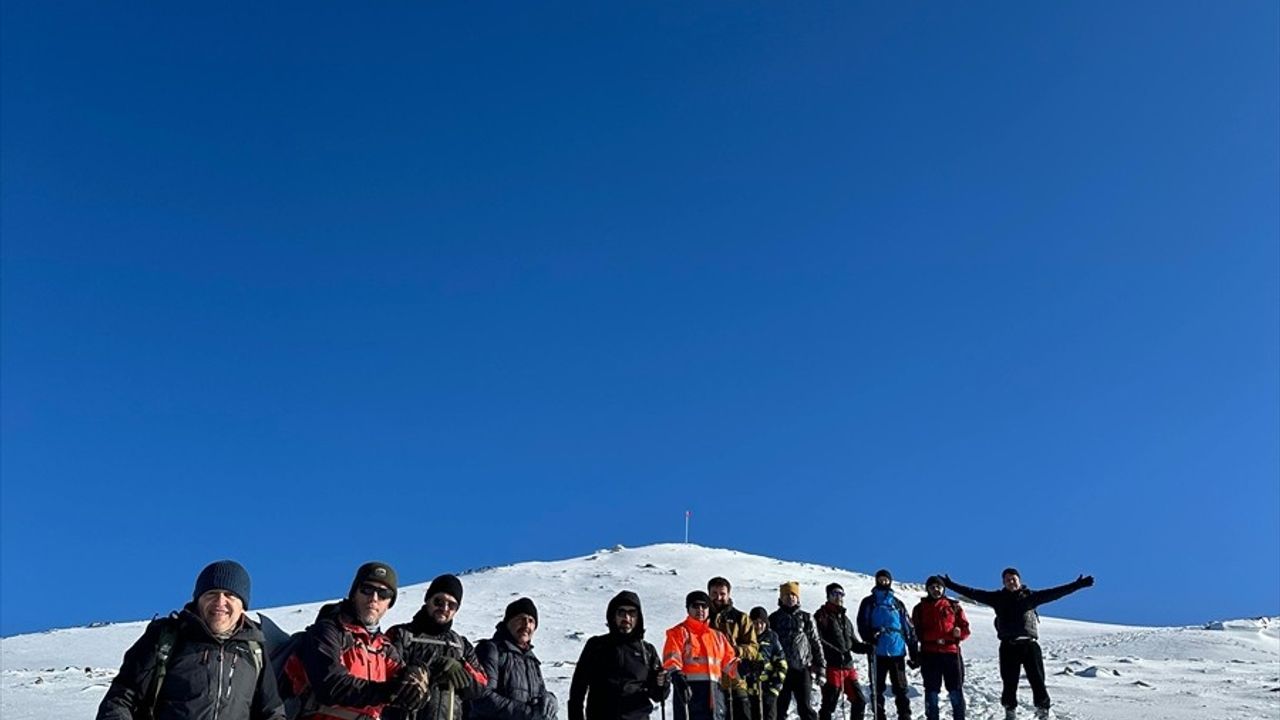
x: 886, y: 618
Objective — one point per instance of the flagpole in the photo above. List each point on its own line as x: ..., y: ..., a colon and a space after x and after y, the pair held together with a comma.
x: 687, y: 513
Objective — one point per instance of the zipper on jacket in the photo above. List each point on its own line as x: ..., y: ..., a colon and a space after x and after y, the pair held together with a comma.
x: 217, y: 702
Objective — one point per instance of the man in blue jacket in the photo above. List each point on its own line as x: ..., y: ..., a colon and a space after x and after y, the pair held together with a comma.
x: 884, y: 623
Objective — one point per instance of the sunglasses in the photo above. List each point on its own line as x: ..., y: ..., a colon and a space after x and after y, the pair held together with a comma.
x: 444, y: 604
x: 369, y: 590
x: 836, y: 593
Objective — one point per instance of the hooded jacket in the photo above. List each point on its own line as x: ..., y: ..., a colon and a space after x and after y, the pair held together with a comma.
x: 341, y: 667
x: 616, y: 673
x: 741, y: 632
x: 514, y: 689
x: 206, y: 677
x: 424, y: 642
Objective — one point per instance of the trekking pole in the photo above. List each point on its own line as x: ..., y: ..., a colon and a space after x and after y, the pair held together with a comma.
x: 871, y: 685
x: 451, y: 694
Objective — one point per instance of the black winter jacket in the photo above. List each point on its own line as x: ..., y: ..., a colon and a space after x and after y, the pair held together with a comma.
x: 515, y: 690
x: 616, y: 674
x: 799, y: 638
x: 205, y: 677
x: 422, y: 641
x: 839, y: 642
x: 1016, y: 616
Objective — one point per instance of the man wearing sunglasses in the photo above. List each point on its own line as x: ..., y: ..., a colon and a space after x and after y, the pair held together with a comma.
x: 840, y: 645
x: 699, y: 658
x: 344, y: 666
x: 618, y: 674
x: 430, y: 641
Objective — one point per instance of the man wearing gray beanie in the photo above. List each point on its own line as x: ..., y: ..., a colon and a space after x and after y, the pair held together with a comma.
x: 169, y: 657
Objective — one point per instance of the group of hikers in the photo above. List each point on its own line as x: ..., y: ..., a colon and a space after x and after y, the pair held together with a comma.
x: 211, y: 660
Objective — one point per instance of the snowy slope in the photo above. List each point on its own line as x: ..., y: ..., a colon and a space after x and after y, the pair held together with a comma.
x: 1095, y: 670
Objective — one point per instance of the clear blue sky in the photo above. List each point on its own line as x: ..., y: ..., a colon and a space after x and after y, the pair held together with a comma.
x: 932, y: 287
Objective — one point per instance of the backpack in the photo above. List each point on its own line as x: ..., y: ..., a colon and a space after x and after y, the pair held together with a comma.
x: 280, y: 647
x: 166, y: 641
x: 886, y: 618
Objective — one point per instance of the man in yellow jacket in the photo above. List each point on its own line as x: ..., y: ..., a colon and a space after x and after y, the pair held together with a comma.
x: 736, y: 626
x: 700, y: 659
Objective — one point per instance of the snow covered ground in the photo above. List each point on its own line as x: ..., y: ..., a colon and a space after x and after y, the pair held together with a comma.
x: 1227, y: 670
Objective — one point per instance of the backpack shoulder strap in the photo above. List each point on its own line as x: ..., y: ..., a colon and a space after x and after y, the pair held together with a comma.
x: 166, y: 639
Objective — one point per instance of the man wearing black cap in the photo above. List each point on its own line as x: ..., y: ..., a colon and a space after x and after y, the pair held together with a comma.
x: 618, y: 674
x: 699, y: 659
x: 1017, y: 627
x: 515, y: 689
x: 884, y: 624
x: 172, y: 656
x: 344, y: 666
x: 430, y: 641
x: 840, y: 646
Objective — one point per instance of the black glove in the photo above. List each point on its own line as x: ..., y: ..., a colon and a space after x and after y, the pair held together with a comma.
x: 449, y: 672
x: 683, y: 692
x: 1085, y: 581
x: 860, y: 648
x: 661, y: 678
x: 946, y: 580
x: 913, y: 663
x: 412, y: 688
x: 846, y: 659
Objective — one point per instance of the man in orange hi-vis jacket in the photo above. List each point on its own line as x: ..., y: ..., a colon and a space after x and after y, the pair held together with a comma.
x: 699, y: 659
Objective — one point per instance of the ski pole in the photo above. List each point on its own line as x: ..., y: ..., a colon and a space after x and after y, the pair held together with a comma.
x: 450, y: 703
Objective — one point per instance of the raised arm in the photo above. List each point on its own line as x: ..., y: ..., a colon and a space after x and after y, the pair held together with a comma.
x: 986, y: 597
x: 1048, y: 595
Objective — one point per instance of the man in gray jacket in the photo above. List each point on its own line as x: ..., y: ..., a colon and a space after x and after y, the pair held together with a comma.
x: 799, y: 638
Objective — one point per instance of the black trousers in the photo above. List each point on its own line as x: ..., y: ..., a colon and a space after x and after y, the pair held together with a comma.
x: 1016, y: 656
x: 799, y: 684
x: 763, y: 705
x: 937, y: 668
x: 738, y: 703
x: 895, y: 670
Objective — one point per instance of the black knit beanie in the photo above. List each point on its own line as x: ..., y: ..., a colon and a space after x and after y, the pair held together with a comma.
x: 375, y: 572
x: 884, y: 573
x: 226, y: 575
x: 697, y: 596
x: 1010, y: 571
x: 833, y: 587
x: 759, y: 613
x: 447, y: 584
x: 934, y: 580
x: 523, y: 606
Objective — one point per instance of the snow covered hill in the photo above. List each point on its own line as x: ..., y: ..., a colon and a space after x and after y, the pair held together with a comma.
x: 1225, y: 670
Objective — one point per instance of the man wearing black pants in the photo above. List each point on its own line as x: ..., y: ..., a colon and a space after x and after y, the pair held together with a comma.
x: 799, y: 638
x: 1017, y: 624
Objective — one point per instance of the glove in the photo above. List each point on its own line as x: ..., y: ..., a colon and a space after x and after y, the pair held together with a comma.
x: 913, y: 663
x: 449, y: 672
x: 549, y: 706
x: 1085, y: 581
x: 683, y: 692
x: 946, y: 579
x: 846, y: 659
x: 412, y: 688
x: 661, y: 678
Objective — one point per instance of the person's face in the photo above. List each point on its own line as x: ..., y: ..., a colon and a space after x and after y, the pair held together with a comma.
x: 934, y: 590
x: 521, y: 628
x: 883, y: 581
x: 442, y: 607
x: 699, y: 611
x: 220, y: 610
x: 790, y: 599
x: 1011, y: 582
x: 625, y: 618
x: 719, y: 596
x: 836, y: 597
x: 371, y: 601
x: 761, y: 626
